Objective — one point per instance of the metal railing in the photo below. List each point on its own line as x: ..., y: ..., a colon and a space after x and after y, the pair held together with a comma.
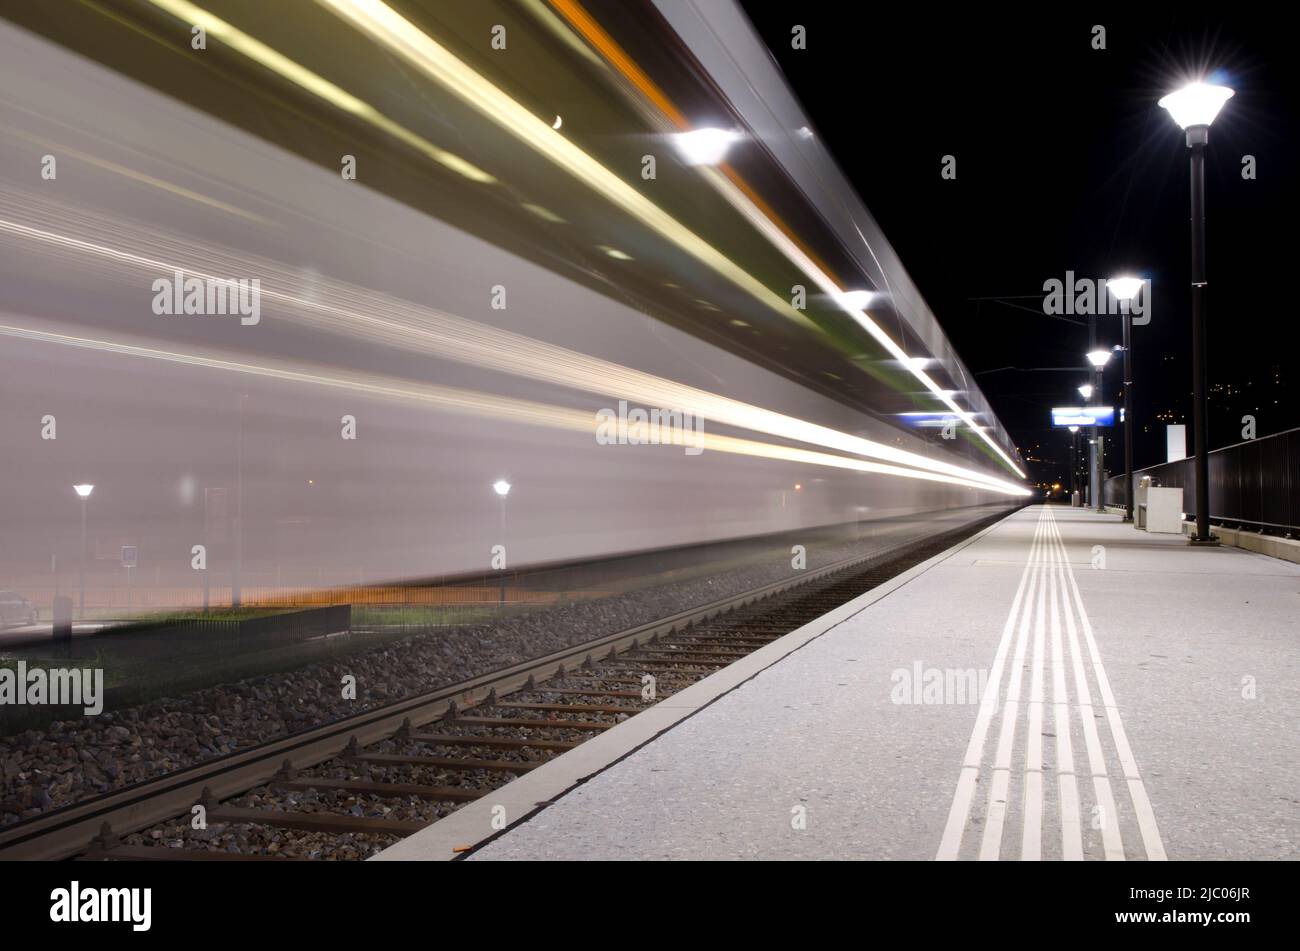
x: 1255, y: 483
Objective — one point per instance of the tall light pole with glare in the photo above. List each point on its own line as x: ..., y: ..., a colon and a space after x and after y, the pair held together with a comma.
x: 1194, y: 107
x: 1098, y: 360
x: 83, y: 492
x: 502, y: 488
x: 1074, y: 463
x: 1125, y: 289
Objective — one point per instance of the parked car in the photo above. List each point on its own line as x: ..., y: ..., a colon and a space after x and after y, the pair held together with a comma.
x: 15, y: 609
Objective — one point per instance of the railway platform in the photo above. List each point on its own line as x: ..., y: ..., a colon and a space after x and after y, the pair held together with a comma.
x: 1059, y: 686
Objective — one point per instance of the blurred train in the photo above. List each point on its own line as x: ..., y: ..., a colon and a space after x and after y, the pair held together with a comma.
x: 345, y: 291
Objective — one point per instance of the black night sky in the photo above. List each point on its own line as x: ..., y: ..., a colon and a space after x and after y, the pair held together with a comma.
x: 1065, y: 162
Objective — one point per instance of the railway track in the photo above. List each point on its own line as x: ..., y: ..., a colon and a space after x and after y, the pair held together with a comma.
x: 350, y: 788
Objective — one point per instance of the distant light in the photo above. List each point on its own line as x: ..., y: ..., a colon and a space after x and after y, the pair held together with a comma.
x: 1086, y: 391
x: 1099, y: 358
x: 1196, y: 103
x: 84, y: 489
x: 1074, y: 429
x: 311, y: 481
x: 857, y: 300
x: 797, y: 486
x: 501, y: 487
x: 557, y: 123
x: 704, y: 146
x: 1124, y: 288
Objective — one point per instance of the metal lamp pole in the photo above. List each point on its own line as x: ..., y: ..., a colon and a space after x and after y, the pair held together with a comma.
x: 502, y: 488
x: 81, y: 600
x: 1194, y: 107
x: 1125, y: 290
x: 502, y: 599
x: 1128, y: 413
x: 83, y: 491
x: 1197, y: 137
x: 236, y: 586
x: 1099, y: 493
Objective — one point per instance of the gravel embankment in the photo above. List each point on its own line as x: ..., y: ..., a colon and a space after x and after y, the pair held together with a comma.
x: 75, y: 759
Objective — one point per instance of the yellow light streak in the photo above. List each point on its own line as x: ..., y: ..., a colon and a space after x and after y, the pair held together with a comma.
x: 373, y: 316
x: 477, y: 404
x: 316, y: 85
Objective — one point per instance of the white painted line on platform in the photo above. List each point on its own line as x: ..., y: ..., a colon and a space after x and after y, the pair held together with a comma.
x: 999, y: 791
x: 1108, y: 816
x: 1067, y: 780
x: 1048, y: 593
x: 472, y: 824
x: 1146, y: 818
x: 950, y: 845
x: 1031, y: 836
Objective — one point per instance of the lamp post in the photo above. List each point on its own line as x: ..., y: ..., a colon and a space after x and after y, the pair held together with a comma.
x: 1074, y: 463
x: 1085, y: 390
x: 236, y: 581
x: 83, y: 492
x: 1194, y: 107
x: 502, y: 488
x: 1125, y: 289
x: 1098, y: 359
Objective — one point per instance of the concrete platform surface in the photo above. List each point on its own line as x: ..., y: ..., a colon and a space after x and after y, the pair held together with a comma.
x: 1142, y: 702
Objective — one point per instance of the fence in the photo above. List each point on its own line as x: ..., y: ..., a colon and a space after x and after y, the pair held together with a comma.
x: 1255, y: 483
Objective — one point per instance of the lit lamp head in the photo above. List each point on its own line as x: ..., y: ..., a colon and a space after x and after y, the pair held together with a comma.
x: 1074, y: 429
x: 83, y: 490
x: 1086, y: 391
x: 1194, y: 107
x: 1098, y: 358
x: 501, y: 487
x: 1124, y: 288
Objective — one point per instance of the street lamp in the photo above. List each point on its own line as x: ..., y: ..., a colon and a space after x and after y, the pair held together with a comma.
x: 1097, y: 359
x: 83, y: 492
x: 502, y: 488
x: 1124, y: 289
x: 1074, y: 463
x: 1194, y: 107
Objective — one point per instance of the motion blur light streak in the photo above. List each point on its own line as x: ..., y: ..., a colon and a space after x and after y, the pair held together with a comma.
x: 407, y: 325
x: 384, y: 24
x: 150, y: 180
x: 388, y: 27
x: 851, y: 302
x: 256, y: 50
x: 733, y: 188
x: 659, y: 103
x: 486, y: 405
